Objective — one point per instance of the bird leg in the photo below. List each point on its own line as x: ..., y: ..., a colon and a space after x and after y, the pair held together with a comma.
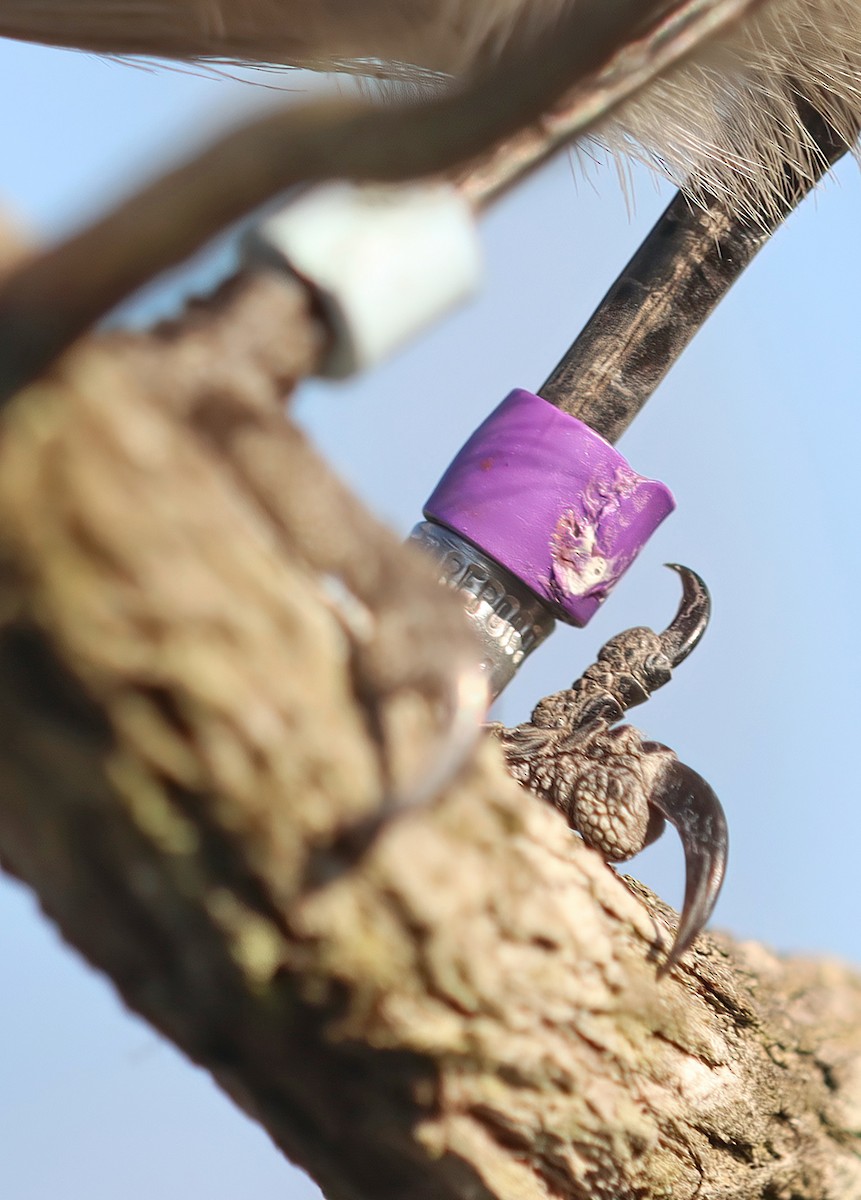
x: 615, y: 789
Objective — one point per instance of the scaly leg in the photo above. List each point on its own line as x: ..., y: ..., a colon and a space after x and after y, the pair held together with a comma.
x: 615, y: 789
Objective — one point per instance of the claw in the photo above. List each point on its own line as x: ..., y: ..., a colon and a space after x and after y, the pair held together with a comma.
x: 688, y: 803
x: 689, y: 623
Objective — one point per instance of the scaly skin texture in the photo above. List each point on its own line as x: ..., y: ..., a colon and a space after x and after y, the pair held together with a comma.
x: 599, y: 778
x: 613, y: 787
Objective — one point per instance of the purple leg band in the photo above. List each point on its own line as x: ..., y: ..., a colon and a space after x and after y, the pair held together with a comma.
x: 547, y: 498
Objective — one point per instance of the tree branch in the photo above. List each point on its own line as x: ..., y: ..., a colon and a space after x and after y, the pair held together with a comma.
x: 193, y: 735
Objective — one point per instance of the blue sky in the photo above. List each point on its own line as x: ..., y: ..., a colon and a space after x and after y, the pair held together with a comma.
x: 756, y: 431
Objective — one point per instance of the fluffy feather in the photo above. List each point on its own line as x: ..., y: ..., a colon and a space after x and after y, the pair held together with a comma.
x: 729, y: 123
x: 726, y: 122
x: 446, y: 36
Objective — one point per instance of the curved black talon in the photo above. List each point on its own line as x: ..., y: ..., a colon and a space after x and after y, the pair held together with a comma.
x: 690, y: 622
x: 600, y: 775
x: 690, y: 804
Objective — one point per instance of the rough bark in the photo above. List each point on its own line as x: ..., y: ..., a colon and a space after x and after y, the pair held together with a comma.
x: 196, y: 730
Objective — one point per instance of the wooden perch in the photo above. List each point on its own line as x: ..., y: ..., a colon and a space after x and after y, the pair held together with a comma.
x: 195, y: 726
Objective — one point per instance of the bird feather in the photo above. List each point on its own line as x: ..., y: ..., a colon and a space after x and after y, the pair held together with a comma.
x: 726, y: 122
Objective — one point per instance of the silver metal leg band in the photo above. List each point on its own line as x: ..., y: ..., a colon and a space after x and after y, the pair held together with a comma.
x: 510, y: 620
